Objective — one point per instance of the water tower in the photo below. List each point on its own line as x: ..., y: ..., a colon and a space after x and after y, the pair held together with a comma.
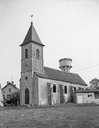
x: 65, y: 64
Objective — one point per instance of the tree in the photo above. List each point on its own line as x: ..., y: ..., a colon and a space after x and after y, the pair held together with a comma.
x: 94, y: 83
x: 14, y: 99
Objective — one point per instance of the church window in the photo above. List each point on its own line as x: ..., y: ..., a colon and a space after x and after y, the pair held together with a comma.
x: 26, y: 78
x: 54, y: 88
x: 79, y: 88
x: 74, y: 89
x: 26, y: 53
x: 65, y: 89
x: 37, y: 53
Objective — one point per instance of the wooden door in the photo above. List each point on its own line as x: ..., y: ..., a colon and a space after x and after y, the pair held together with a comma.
x: 26, y: 96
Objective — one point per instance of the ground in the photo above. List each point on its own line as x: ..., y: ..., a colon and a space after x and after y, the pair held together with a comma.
x: 64, y: 116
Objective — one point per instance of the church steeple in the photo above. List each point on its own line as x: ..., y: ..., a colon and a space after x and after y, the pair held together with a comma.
x: 31, y: 62
x: 32, y: 36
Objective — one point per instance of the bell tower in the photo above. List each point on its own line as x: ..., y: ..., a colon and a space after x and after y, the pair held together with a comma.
x: 31, y: 61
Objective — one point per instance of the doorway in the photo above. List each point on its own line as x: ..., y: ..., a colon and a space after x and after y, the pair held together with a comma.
x: 26, y: 96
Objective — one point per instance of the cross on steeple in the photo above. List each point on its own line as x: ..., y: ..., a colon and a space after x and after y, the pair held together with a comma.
x: 31, y: 16
x: 32, y: 36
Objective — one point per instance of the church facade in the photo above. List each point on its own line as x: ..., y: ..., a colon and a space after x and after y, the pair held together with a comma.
x: 40, y: 85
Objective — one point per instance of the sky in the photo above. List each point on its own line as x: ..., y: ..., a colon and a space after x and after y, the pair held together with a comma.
x: 68, y: 28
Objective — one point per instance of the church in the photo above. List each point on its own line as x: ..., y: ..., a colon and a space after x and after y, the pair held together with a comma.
x: 40, y: 85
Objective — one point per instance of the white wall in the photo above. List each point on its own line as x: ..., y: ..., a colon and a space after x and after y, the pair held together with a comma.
x: 43, y: 94
x: 85, y: 98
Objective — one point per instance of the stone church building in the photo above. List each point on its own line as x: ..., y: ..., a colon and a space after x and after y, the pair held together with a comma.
x: 40, y: 85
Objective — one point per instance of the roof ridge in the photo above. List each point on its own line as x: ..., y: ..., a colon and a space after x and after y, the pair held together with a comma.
x: 11, y: 85
x: 61, y: 71
x: 64, y: 76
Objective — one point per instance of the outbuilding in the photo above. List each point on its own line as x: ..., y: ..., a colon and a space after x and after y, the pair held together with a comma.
x: 87, y: 96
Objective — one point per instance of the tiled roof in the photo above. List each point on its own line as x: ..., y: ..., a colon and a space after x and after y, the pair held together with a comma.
x: 31, y: 36
x: 62, y: 76
x: 11, y: 85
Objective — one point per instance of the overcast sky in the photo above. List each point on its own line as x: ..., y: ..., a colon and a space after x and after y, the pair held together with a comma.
x: 68, y: 28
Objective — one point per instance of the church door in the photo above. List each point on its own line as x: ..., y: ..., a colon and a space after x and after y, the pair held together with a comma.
x: 49, y: 94
x: 61, y: 94
x: 26, y: 96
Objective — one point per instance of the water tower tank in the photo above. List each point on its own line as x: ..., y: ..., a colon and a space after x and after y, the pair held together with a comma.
x: 65, y: 64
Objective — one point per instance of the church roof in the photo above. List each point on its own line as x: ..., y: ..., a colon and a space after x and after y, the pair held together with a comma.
x: 62, y: 76
x: 32, y: 36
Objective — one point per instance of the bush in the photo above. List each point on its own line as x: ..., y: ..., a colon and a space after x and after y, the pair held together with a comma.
x: 14, y: 99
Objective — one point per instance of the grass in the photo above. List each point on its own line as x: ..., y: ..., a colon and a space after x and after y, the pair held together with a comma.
x: 64, y: 116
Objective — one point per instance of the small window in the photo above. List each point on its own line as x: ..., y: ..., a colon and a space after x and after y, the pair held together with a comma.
x: 65, y: 89
x: 79, y: 88
x: 8, y: 96
x: 9, y: 89
x: 26, y: 53
x: 89, y: 95
x: 26, y: 78
x: 54, y: 88
x: 37, y: 53
x: 74, y: 89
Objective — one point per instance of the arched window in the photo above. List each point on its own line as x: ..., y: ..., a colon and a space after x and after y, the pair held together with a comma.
x: 54, y: 88
x: 65, y: 89
x: 26, y: 96
x: 26, y: 78
x: 37, y: 53
x: 26, y: 53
